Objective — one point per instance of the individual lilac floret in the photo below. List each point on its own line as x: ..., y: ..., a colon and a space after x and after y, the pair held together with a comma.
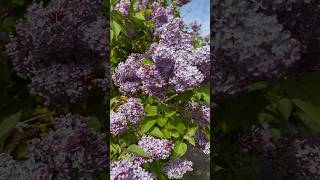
x: 156, y: 148
x: 200, y: 113
x: 152, y: 81
x: 175, y: 169
x: 202, y: 142
x: 125, y: 76
x: 132, y: 110
x: 123, y: 7
x: 118, y: 122
x: 125, y: 170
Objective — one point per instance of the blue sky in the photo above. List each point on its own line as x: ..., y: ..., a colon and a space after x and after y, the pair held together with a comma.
x: 197, y: 10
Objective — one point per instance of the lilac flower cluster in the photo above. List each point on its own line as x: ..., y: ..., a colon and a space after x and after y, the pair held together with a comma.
x: 118, y: 123
x: 175, y: 169
x: 174, y: 60
x: 308, y: 158
x: 123, y: 7
x: 195, y: 26
x: 58, y: 47
x: 72, y: 150
x: 182, y: 2
x: 249, y: 46
x: 156, y: 148
x: 200, y: 113
x: 131, y: 111
x: 125, y: 76
x: 202, y: 142
x: 125, y: 169
x: 27, y: 170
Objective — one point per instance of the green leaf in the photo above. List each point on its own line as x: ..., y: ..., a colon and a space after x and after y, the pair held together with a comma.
x: 170, y: 114
x: 162, y: 121
x: 139, y: 16
x: 180, y: 148
x: 175, y: 133
x: 151, y: 110
x: 180, y: 127
x: 116, y: 28
x: 257, y: 86
x: 166, y: 133
x: 137, y: 150
x: 285, y: 108
x: 311, y: 111
x: 17, y: 2
x: 94, y: 123
x: 276, y: 134
x: 8, y: 124
x: 189, y: 139
x: 157, y: 133
x: 147, y: 125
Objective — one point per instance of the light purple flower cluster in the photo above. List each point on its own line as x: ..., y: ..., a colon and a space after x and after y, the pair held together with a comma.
x: 156, y: 148
x: 202, y: 142
x: 125, y: 169
x: 200, y: 113
x: 131, y: 111
x: 123, y: 7
x: 195, y: 26
x: 59, y: 47
x: 11, y: 169
x: 152, y: 81
x: 125, y: 76
x: 174, y: 60
x: 175, y: 169
x: 72, y: 150
x: 118, y: 123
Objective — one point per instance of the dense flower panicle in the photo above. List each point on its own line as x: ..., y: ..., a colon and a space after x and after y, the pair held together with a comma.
x: 125, y: 76
x: 123, y: 7
x: 152, y: 81
x: 308, y: 158
x: 174, y: 60
x: 22, y: 170
x: 182, y: 2
x: 175, y: 169
x: 200, y: 113
x: 139, y: 159
x: 125, y: 169
x: 202, y: 142
x: 61, y: 39
x: 196, y: 27
x: 160, y: 15
x: 72, y: 150
x: 133, y: 110
x: 118, y: 122
x: 249, y: 46
x: 156, y: 148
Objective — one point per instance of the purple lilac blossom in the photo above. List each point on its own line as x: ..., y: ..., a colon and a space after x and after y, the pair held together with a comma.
x: 200, y: 113
x: 118, y: 122
x: 123, y: 7
x: 156, y: 148
x: 152, y: 81
x: 175, y: 169
x: 53, y: 48
x: 125, y: 170
x: 72, y: 150
x: 125, y: 76
x: 132, y: 110
x: 202, y: 142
